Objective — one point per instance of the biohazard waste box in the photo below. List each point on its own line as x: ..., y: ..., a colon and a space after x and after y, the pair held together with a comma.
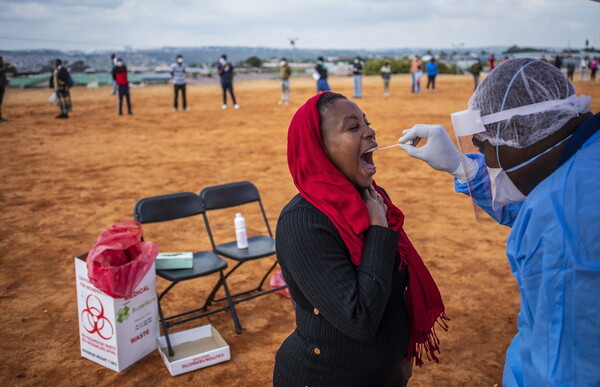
x: 116, y: 332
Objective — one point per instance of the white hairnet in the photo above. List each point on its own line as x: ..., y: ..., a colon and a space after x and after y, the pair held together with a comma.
x: 524, y: 81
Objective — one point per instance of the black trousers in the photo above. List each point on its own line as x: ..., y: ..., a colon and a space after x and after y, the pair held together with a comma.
x: 431, y: 81
x: 177, y: 89
x: 227, y: 85
x: 1, y: 97
x: 124, y: 92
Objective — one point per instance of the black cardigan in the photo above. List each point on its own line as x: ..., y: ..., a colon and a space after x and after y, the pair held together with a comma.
x: 351, y: 321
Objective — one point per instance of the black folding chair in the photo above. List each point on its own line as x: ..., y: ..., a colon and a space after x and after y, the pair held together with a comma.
x: 238, y: 194
x: 176, y: 206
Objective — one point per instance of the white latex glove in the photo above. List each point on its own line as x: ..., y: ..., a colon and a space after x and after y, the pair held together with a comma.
x: 439, y: 152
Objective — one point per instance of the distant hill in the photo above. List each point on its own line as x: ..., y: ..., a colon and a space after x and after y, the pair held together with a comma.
x: 35, y: 60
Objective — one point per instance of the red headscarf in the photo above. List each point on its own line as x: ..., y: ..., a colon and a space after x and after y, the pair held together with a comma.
x: 326, y: 188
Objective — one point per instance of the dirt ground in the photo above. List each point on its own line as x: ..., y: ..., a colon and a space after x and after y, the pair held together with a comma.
x: 65, y: 181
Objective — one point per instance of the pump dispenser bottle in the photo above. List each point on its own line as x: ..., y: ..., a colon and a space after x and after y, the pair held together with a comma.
x: 240, y: 231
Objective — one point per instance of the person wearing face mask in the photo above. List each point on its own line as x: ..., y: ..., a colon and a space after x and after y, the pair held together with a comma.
x: 178, y: 73
x: 476, y: 69
x: 321, y: 74
x: 120, y: 77
x: 225, y: 70
x: 386, y: 75
x: 537, y: 173
x: 415, y: 64
x: 357, y: 70
x: 365, y: 302
x: 284, y: 74
x: 3, y: 83
x: 59, y: 81
x: 112, y: 64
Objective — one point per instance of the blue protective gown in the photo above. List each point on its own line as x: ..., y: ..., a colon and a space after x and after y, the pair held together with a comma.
x: 554, y: 253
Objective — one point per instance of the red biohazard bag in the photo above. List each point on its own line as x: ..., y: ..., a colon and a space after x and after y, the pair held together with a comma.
x: 119, y: 259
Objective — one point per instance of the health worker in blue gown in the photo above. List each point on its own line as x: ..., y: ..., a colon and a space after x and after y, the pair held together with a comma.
x: 538, y: 171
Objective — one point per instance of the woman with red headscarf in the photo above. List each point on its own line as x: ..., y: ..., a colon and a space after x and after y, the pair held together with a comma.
x: 365, y: 303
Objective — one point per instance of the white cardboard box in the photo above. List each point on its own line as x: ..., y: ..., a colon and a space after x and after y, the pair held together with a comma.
x: 195, y: 348
x: 116, y: 332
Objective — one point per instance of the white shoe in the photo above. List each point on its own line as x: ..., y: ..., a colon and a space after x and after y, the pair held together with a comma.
x: 186, y: 109
x: 236, y: 106
x: 280, y: 102
x: 174, y: 109
x: 224, y: 107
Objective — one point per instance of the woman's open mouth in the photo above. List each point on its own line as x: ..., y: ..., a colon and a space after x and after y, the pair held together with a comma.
x: 366, y: 160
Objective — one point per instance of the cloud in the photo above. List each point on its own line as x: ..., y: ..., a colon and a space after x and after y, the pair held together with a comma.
x: 318, y: 23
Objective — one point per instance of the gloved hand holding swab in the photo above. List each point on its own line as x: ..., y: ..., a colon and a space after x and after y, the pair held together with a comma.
x: 439, y: 151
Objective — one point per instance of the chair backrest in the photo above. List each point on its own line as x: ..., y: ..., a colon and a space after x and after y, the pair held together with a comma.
x: 168, y: 207
x: 230, y: 195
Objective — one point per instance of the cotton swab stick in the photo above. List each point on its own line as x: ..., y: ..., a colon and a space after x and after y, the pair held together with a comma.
x: 391, y: 146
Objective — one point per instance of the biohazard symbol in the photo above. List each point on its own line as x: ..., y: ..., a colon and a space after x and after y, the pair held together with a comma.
x: 93, y: 318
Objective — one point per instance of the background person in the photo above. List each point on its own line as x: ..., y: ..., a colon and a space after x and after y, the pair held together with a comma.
x: 558, y: 61
x: 347, y: 260
x: 225, y: 71
x: 593, y: 64
x: 415, y: 64
x: 357, y: 73
x: 111, y: 66
x: 537, y: 174
x: 492, y: 61
x: 321, y: 70
x: 3, y: 83
x: 418, y: 78
x: 59, y: 81
x: 120, y: 77
x: 432, y: 71
x: 178, y: 73
x: 476, y: 69
x: 284, y: 74
x: 386, y: 75
x: 583, y: 67
x: 570, y: 68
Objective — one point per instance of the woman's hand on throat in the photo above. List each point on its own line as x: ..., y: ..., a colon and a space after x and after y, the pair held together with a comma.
x: 376, y: 206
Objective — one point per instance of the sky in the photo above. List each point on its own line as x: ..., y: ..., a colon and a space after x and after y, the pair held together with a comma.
x: 101, y: 25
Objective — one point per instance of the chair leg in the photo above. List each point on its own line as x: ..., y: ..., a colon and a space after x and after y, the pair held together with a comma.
x: 236, y: 322
x: 166, y: 290
x: 165, y: 329
x: 232, y: 270
x: 266, y: 275
x: 256, y: 289
x: 213, y: 293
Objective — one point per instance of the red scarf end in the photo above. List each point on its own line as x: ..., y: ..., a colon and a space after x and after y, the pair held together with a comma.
x: 426, y: 342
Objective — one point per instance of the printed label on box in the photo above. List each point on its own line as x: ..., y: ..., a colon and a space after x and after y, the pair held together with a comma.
x: 193, y: 349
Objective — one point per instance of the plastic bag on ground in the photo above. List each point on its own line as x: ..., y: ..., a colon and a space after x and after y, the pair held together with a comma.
x: 119, y: 259
x: 277, y: 281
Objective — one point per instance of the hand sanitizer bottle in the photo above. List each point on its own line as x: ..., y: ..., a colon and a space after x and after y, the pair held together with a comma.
x: 240, y: 231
